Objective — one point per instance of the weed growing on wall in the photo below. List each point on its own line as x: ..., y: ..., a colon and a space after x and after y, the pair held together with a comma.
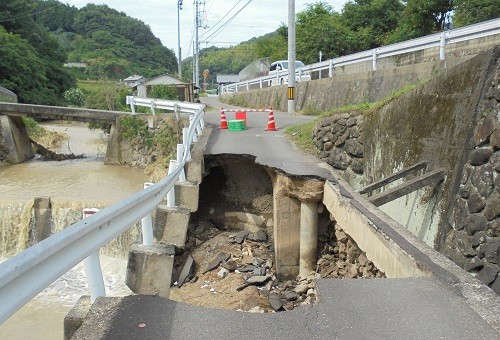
x: 133, y: 126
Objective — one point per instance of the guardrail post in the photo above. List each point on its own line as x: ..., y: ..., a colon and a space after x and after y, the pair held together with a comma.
x: 171, y: 194
x: 185, y: 142
x: 180, y: 151
x: 130, y: 101
x: 153, y: 107
x: 93, y: 269
x: 147, y: 225
x: 260, y: 82
x: 202, y: 124
x: 176, y: 111
x: 195, y: 136
x: 374, y: 59
x: 442, y: 46
x: 330, y: 68
x: 248, y: 86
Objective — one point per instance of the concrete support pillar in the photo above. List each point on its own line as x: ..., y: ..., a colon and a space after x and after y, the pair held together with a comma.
x: 149, y: 269
x: 308, y: 237
x: 41, y: 227
x: 187, y: 195
x: 15, y: 144
x: 286, y: 235
x: 171, y: 224
x: 113, y: 151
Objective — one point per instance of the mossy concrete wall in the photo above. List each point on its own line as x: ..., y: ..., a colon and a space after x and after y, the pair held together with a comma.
x: 357, y: 83
x: 433, y: 124
x: 324, y: 94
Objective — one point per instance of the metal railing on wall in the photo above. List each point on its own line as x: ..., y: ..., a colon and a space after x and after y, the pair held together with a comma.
x: 26, y: 274
x: 441, y: 40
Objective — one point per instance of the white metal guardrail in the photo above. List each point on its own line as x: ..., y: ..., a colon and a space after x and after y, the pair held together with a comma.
x: 26, y: 274
x: 441, y: 40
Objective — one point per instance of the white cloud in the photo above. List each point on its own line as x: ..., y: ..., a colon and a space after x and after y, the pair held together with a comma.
x: 256, y: 19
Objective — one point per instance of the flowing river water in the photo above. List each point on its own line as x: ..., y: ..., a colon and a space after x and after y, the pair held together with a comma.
x: 71, y: 185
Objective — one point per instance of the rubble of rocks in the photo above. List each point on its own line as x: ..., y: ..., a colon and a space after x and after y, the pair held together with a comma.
x: 341, y: 258
x: 236, y: 270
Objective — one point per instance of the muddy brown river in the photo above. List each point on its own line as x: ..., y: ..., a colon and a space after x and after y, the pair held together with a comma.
x: 71, y: 185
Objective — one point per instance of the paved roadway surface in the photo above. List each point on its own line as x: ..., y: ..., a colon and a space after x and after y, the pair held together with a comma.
x: 413, y: 308
x: 270, y: 148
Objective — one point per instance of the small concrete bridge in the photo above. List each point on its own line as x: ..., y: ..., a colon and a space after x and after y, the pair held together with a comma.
x: 15, y: 145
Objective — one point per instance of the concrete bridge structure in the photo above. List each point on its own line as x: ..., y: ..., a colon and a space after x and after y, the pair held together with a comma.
x: 15, y: 145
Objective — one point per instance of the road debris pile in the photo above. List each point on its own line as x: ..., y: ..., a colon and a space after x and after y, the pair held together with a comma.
x: 236, y: 270
x: 341, y: 258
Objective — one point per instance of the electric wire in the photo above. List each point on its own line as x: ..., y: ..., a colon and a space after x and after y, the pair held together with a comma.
x: 225, y: 15
x: 226, y: 23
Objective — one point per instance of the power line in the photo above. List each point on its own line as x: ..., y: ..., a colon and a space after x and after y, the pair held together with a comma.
x: 225, y: 15
x: 227, y: 22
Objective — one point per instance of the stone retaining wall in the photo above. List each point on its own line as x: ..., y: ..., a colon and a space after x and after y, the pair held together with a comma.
x: 340, y: 141
x: 474, y: 241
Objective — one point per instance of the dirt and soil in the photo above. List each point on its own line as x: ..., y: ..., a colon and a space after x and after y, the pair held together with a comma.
x: 222, y: 287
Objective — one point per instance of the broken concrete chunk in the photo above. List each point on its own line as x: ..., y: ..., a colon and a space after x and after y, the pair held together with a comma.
x: 230, y: 265
x: 240, y: 236
x: 216, y: 262
x: 186, y: 270
x: 247, y: 268
x: 223, y: 272
x: 275, y: 302
x: 257, y: 261
x: 301, y: 288
x: 259, y: 236
x: 258, y: 280
x: 291, y: 296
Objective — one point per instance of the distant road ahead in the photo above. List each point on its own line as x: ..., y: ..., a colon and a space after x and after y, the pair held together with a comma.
x: 271, y: 148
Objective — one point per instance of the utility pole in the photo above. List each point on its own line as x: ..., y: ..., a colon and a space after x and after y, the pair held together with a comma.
x: 198, y: 22
x: 179, y: 8
x: 291, y: 56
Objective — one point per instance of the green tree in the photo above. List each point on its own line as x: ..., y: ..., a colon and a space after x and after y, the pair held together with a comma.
x: 319, y: 28
x: 469, y: 12
x: 372, y: 20
x: 421, y: 17
x: 16, y: 18
x: 164, y: 92
x: 21, y: 69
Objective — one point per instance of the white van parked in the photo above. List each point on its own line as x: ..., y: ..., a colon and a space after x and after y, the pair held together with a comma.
x: 279, y: 69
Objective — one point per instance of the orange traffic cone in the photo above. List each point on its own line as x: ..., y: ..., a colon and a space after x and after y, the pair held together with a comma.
x: 223, y: 121
x: 270, y: 124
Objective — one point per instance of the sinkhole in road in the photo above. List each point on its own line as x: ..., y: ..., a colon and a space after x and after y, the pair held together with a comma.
x: 231, y: 241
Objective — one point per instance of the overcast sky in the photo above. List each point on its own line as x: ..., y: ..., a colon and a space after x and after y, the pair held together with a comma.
x: 255, y: 19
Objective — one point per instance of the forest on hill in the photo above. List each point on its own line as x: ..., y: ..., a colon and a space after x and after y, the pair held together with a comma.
x: 38, y: 36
